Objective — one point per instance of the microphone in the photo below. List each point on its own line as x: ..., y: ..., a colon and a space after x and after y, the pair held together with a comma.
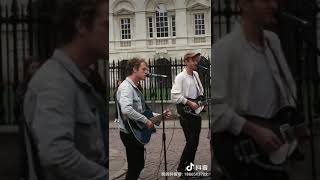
x: 199, y: 66
x: 150, y: 75
x: 293, y: 18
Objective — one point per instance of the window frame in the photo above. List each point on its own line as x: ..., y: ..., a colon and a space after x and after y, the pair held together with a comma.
x: 150, y: 28
x: 199, y: 24
x: 161, y: 24
x: 128, y: 28
x: 173, y: 26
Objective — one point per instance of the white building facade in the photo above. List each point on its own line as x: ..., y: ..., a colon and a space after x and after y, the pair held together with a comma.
x: 158, y: 28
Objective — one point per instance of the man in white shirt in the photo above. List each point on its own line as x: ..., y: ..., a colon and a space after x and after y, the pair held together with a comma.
x: 250, y: 77
x: 187, y: 87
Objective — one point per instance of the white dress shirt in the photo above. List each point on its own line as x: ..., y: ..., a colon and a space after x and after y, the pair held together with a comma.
x: 184, y: 87
x: 264, y: 101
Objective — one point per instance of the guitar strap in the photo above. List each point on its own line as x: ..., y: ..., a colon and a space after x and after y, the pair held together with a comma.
x: 143, y: 102
x: 282, y: 74
x: 126, y: 123
x: 198, y: 84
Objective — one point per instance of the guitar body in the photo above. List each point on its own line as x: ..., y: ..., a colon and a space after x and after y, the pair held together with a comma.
x: 140, y: 131
x: 185, y: 110
x: 243, y: 149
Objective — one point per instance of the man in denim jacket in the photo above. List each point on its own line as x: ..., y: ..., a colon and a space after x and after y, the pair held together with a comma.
x: 131, y: 105
x: 64, y: 111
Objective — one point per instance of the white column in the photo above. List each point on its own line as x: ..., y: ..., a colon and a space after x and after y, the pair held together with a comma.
x: 111, y: 31
x: 181, y: 27
x: 140, y: 29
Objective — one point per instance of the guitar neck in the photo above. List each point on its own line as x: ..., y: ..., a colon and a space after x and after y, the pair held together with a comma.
x: 200, y: 102
x: 156, y: 119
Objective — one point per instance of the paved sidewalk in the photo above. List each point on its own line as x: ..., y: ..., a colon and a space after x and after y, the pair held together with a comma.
x: 175, y: 144
x: 175, y: 137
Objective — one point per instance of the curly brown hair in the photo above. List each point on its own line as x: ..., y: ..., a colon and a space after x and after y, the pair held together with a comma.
x: 134, y: 63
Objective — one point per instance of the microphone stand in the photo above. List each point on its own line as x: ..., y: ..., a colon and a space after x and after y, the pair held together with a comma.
x: 206, y: 93
x: 161, y: 78
x: 209, y: 115
x: 163, y: 128
x: 307, y: 81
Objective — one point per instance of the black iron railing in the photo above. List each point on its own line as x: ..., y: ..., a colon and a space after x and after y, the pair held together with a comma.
x: 151, y: 86
x: 26, y: 31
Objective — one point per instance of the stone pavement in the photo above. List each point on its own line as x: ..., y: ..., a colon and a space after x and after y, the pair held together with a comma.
x: 176, y: 141
x: 175, y: 144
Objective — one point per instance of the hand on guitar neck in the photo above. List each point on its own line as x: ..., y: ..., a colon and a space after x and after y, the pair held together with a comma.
x: 156, y: 120
x: 264, y: 137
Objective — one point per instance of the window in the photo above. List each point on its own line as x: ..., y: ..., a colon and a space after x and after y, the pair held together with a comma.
x: 125, y: 28
x: 173, y: 25
x: 150, y: 27
x: 162, y: 27
x: 199, y: 26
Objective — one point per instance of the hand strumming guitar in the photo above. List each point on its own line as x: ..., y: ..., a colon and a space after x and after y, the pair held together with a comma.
x: 265, y: 138
x: 193, y: 105
x: 149, y: 124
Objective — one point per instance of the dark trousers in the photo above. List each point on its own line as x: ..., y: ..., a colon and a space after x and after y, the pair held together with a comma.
x: 191, y: 126
x: 135, y: 155
x: 233, y: 169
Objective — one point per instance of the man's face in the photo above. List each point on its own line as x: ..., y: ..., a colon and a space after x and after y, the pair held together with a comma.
x: 140, y: 73
x: 97, y: 36
x: 262, y: 11
x: 192, y: 62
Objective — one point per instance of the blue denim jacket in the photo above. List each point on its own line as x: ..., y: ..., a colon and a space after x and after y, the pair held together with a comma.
x: 63, y: 112
x: 131, y: 102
